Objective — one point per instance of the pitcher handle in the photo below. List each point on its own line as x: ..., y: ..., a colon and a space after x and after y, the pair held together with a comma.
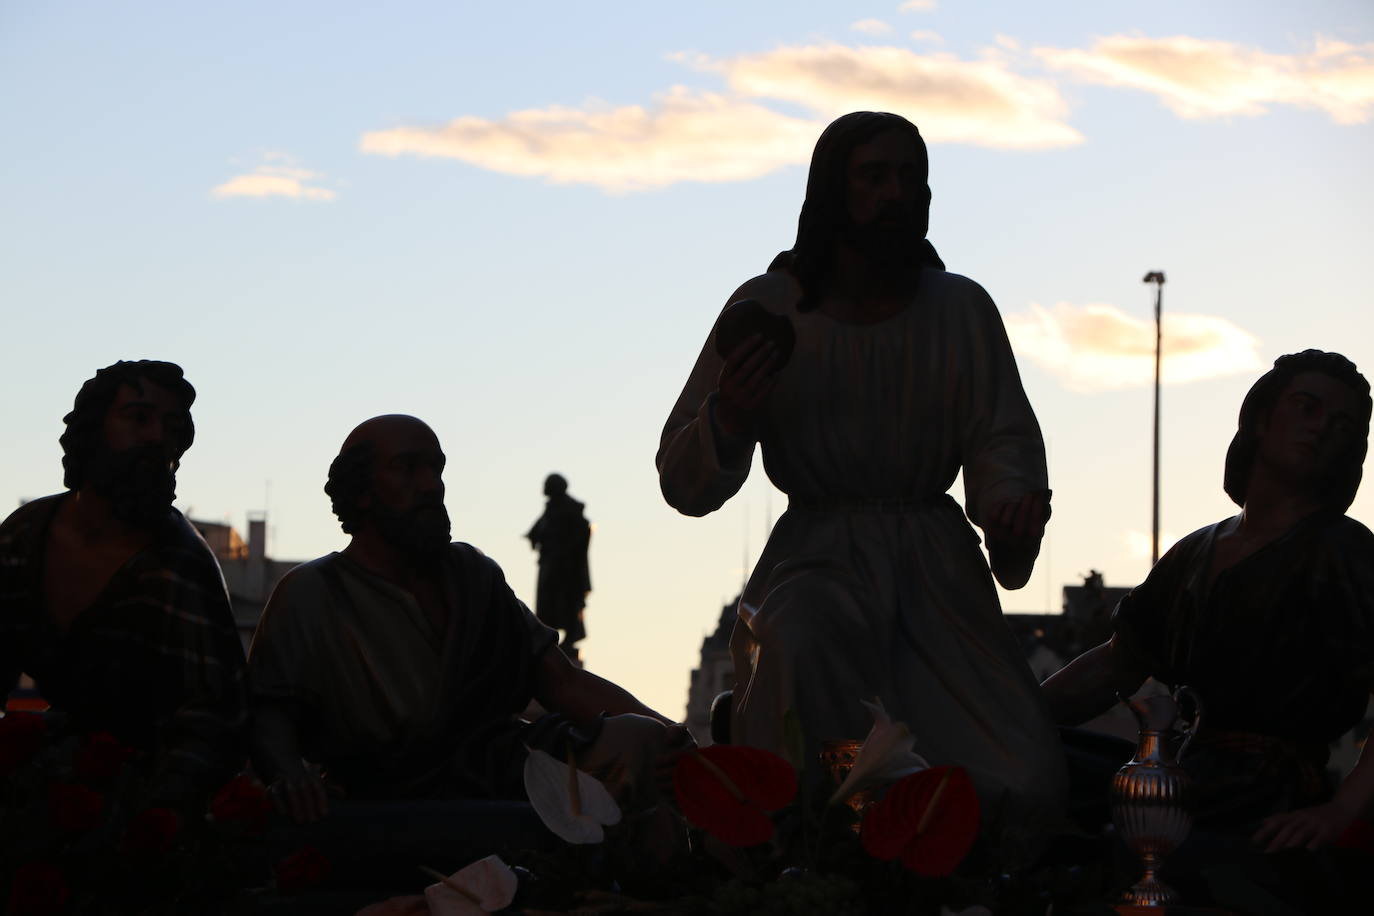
x: 1189, y: 729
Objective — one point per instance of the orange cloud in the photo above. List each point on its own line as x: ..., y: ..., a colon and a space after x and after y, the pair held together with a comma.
x: 917, y: 6
x: 693, y: 135
x: 982, y: 102
x: 1197, y: 78
x: 1099, y: 347
x: 273, y: 181
x: 685, y: 136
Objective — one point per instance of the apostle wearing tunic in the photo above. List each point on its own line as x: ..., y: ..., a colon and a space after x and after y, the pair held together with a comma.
x: 872, y: 583
x: 1268, y: 616
x: 401, y: 664
x: 114, y: 604
x: 561, y: 536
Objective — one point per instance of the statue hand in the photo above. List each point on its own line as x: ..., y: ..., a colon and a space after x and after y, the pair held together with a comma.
x: 1311, y: 828
x: 745, y: 381
x: 1014, y: 529
x: 301, y: 795
x: 678, y: 742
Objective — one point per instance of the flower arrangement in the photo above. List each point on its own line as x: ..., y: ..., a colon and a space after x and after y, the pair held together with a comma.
x: 78, y: 833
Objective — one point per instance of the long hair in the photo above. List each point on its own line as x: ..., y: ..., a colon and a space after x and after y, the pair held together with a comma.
x: 1338, y: 490
x: 823, y: 213
x: 85, y: 423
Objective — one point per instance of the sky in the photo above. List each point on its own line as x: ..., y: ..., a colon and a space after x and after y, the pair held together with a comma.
x: 518, y: 221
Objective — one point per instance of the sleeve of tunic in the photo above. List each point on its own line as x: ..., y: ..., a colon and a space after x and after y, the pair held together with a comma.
x: 699, y: 465
x: 279, y: 660
x: 1003, y: 452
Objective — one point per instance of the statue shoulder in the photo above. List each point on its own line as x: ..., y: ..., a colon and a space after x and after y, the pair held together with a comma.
x: 777, y: 291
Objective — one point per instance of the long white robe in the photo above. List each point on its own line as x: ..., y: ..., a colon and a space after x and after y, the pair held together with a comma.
x: 872, y: 583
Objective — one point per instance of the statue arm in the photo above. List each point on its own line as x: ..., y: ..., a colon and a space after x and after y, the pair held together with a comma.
x: 1321, y: 825
x: 296, y: 789
x: 1088, y: 686
x: 700, y: 464
x: 580, y: 695
x: 1005, y: 481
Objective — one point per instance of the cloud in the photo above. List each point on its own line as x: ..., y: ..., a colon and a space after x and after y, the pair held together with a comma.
x: 870, y: 27
x: 1198, y: 78
x: 1099, y: 347
x: 685, y: 136
x: 917, y: 6
x: 693, y: 135
x: 927, y: 35
x: 981, y: 102
x: 274, y: 181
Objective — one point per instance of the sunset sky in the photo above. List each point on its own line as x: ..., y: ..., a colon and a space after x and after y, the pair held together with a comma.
x: 518, y: 221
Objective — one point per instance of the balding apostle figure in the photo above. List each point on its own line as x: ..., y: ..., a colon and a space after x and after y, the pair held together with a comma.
x: 400, y: 665
x: 872, y: 584
x: 561, y: 536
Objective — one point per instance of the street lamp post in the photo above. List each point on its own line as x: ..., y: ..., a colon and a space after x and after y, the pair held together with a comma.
x: 1156, y: 277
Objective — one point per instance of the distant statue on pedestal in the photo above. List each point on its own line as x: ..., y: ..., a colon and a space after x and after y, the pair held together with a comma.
x: 561, y: 536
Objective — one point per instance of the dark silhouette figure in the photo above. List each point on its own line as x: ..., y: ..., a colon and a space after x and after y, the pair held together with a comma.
x: 872, y: 583
x: 561, y: 535
x: 113, y: 603
x: 1269, y: 617
x: 402, y: 663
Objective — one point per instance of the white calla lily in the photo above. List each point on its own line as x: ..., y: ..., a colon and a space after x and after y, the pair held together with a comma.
x: 571, y: 803
x: 485, y: 886
x: 886, y: 755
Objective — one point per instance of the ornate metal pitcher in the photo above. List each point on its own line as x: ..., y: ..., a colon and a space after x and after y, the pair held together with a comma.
x: 1150, y: 795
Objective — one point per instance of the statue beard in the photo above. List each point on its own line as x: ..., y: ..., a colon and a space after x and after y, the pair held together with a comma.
x: 890, y: 239
x: 137, y: 481
x: 421, y: 532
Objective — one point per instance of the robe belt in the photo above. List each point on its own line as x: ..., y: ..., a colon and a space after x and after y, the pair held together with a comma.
x: 886, y: 505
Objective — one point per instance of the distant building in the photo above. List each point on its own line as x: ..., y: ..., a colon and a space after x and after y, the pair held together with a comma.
x: 248, y: 572
x: 716, y: 672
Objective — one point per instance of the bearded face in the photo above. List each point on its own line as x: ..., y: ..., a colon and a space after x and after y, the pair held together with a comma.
x: 138, y: 481
x: 421, y: 532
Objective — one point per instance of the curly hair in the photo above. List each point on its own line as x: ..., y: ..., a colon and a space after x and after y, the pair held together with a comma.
x: 1341, y: 485
x: 86, y: 422
x: 350, y: 474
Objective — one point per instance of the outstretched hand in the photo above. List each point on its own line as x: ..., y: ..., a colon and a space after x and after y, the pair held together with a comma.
x: 1310, y: 828
x: 745, y: 381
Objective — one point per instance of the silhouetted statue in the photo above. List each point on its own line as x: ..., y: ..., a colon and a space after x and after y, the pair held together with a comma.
x: 401, y: 664
x: 872, y: 583
x: 561, y: 536
x: 1268, y: 616
x: 113, y: 603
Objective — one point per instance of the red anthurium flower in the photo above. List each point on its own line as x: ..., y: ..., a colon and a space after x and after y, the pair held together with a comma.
x: 304, y: 868
x: 929, y: 819
x: 728, y: 790
x: 37, y: 890
x: 153, y: 831
x: 100, y: 759
x: 21, y: 735
x: 244, y: 802
x: 74, y: 809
